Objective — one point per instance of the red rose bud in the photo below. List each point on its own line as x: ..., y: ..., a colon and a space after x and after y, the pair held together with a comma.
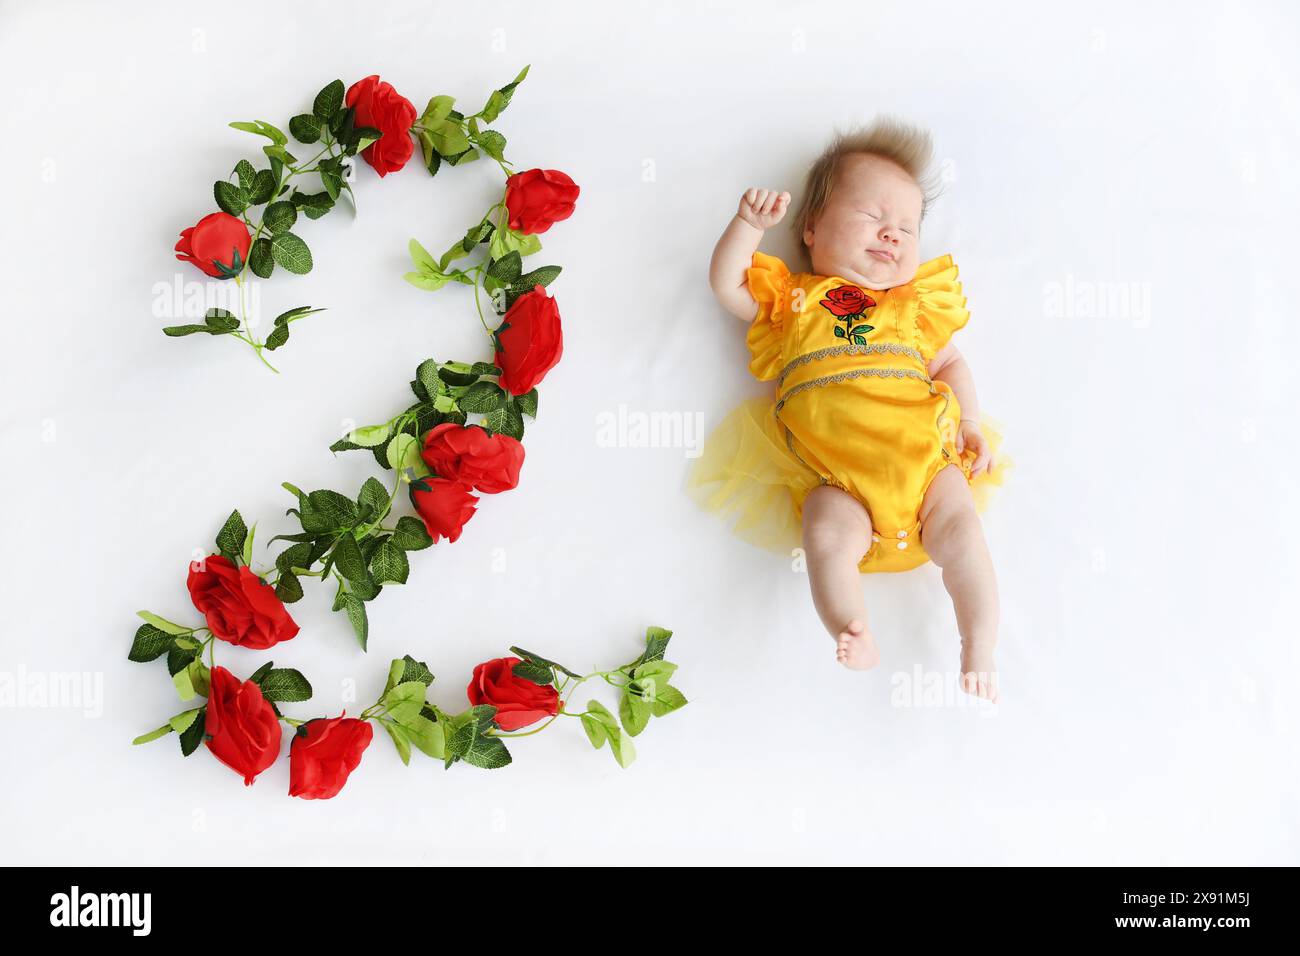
x: 519, y: 702
x: 242, y: 728
x: 218, y: 244
x: 444, y: 505
x: 536, y: 199
x: 467, y: 453
x: 238, y: 605
x: 381, y: 107
x: 323, y: 753
x: 529, y: 341
x: 847, y: 300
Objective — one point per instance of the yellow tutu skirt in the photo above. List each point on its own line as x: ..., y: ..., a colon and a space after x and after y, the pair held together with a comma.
x: 748, y: 476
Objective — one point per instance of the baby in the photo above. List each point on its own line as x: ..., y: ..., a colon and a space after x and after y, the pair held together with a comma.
x: 875, y: 426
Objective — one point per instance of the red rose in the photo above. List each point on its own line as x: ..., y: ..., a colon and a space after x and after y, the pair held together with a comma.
x: 218, y: 244
x: 467, y: 453
x: 243, y: 730
x: 848, y: 300
x: 239, y: 606
x: 536, y: 199
x: 381, y: 107
x: 529, y: 341
x: 324, y: 751
x: 444, y: 505
x: 519, y: 702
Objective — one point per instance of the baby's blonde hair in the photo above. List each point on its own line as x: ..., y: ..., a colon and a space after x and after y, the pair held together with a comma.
x: 907, y: 146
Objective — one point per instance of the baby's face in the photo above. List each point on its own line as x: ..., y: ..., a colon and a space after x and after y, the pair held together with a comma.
x: 868, y: 232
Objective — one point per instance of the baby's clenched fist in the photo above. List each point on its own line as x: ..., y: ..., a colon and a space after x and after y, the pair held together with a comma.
x: 763, y: 208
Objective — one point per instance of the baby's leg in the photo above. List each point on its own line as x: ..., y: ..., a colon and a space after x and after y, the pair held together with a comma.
x: 836, y: 534
x: 951, y: 534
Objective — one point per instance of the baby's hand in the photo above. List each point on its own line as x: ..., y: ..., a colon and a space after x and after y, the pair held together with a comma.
x: 763, y: 208
x: 970, y: 436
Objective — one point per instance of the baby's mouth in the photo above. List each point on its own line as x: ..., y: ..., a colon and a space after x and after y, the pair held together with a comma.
x: 881, y: 255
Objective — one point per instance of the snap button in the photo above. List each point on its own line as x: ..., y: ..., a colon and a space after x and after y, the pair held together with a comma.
x: 902, y: 545
x: 902, y: 534
x: 875, y: 537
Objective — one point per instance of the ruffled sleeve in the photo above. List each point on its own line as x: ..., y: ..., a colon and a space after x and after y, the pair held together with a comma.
x: 769, y: 283
x: 940, y: 305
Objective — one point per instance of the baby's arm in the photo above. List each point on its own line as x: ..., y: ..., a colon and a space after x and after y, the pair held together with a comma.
x: 760, y: 209
x: 948, y: 365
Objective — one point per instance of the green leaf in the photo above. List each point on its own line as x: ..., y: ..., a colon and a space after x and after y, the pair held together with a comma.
x: 400, y: 739
x: 542, y: 276
x: 483, y: 397
x: 244, y: 170
x: 656, y: 639
x: 423, y: 260
x: 624, y: 750
x: 530, y: 655
x: 404, y: 452
x: 181, y: 722
x: 492, y: 143
x: 489, y: 753
x: 176, y: 331
x: 507, y: 240
x: 426, y: 373
x: 374, y: 494
x: 280, y: 216
x: 150, y: 643
x: 356, y: 612
x: 246, y: 556
x: 389, y: 564
x: 260, y: 259
x: 533, y: 671
x: 338, y: 510
x: 667, y: 700
x: 411, y: 534
x: 230, y: 539
x: 230, y: 199
x: 839, y: 332
x: 193, y: 734
x: 171, y: 627
x: 422, y: 280
x: 219, y: 321
x: 595, y: 730
x: 862, y: 329
x: 447, y: 137
x: 527, y: 403
x: 291, y: 253
x: 314, y: 205
x: 153, y: 735
x: 328, y: 101
x: 347, y: 557
x: 438, y: 109
x: 506, y: 269
x: 427, y: 735
x: 288, y: 588
x: 263, y: 188
x: 505, y: 420
x: 405, y: 700
x: 306, y: 127
x: 413, y: 670
x: 278, y: 337
x: 262, y: 128
x: 285, y: 684
x: 634, y: 712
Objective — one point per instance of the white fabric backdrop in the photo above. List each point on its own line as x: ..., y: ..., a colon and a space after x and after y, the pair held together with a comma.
x: 1145, y: 540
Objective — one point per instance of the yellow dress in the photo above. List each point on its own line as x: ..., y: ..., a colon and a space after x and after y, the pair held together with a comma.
x: 854, y: 407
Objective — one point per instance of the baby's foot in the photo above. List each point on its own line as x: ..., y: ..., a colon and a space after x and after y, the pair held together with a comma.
x: 855, y: 648
x: 979, y: 674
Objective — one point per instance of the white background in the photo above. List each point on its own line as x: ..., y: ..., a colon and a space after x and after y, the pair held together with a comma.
x: 1145, y: 541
